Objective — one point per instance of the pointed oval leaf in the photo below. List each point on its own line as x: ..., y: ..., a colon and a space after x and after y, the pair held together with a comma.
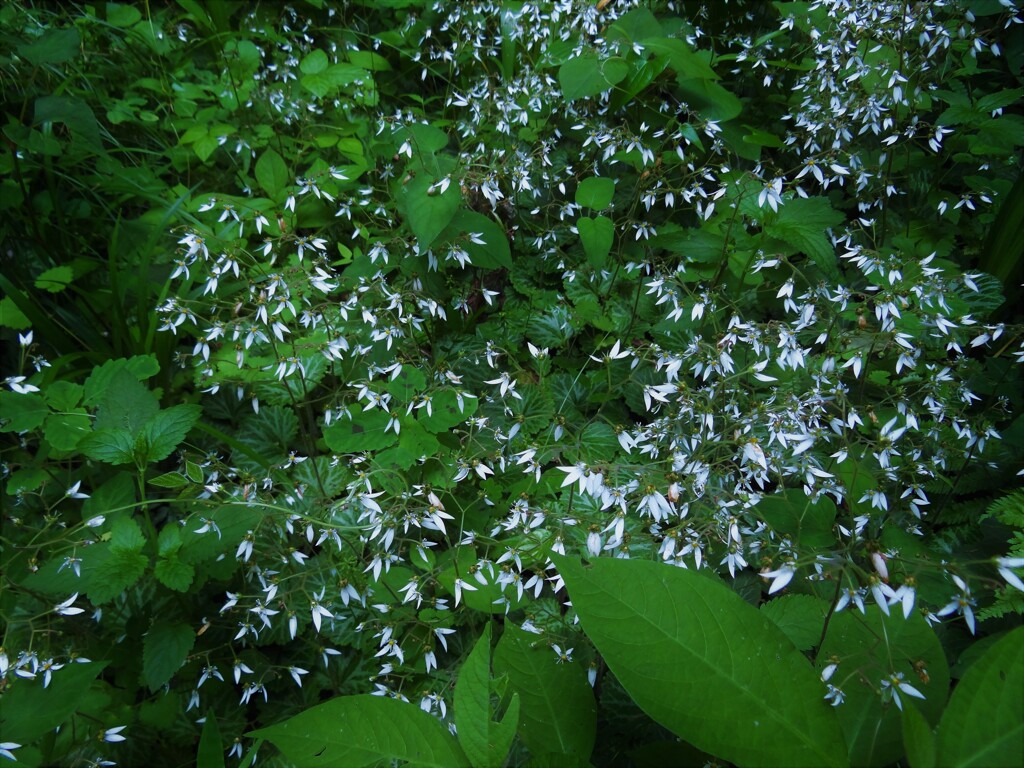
x: 485, y: 741
x: 353, y: 731
x: 984, y: 722
x: 595, y: 192
x: 597, y: 235
x: 704, y: 663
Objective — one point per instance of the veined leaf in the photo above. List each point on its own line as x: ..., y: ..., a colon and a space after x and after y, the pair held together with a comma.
x: 704, y: 663
x: 353, y: 731
x: 557, y: 713
x: 597, y: 235
x: 984, y: 722
x: 485, y: 740
x: 164, y: 650
x: 589, y: 75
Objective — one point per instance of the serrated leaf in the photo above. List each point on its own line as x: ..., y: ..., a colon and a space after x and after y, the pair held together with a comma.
x: 409, y: 383
x: 272, y: 174
x: 55, y: 279
x: 111, y: 446
x: 597, y: 235
x: 164, y: 650
x: 126, y: 536
x: 165, y: 430
x: 125, y: 404
x: 141, y: 367
x: 984, y: 723
x: 595, y: 192
x: 704, y: 663
x: 354, y: 731
x: 366, y: 431
x: 557, y: 712
x: 65, y: 431
x: 485, y: 741
x: 109, y: 573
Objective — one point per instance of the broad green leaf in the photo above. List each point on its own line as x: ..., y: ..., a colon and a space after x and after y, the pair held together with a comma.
x: 709, y: 98
x: 589, y: 75
x: 870, y: 648
x: 169, y: 540
x: 918, y: 739
x: 121, y: 15
x: 597, y: 235
x: 29, y: 710
x: 427, y: 139
x: 211, y: 747
x: 63, y: 395
x: 75, y: 113
x: 407, y: 385
x: 55, y: 46
x: 428, y: 210
x: 485, y: 741
x: 413, y: 444
x: 595, y: 192
x: 802, y: 223
x: 272, y: 174
x: 112, y: 446
x: 448, y: 408
x: 495, y: 252
x: 165, y: 431
x: 21, y: 412
x: 984, y: 723
x: 109, y: 572
x: 704, y: 663
x: 314, y: 62
x: 11, y: 316
x: 125, y: 535
x: 164, y: 650
x: 100, y: 380
x: 806, y: 520
x: 800, y: 617
x: 557, y: 712
x: 194, y: 472
x: 328, y: 81
x: 681, y: 57
x: 365, y: 431
x: 55, y: 279
x: 354, y: 731
x: 633, y: 26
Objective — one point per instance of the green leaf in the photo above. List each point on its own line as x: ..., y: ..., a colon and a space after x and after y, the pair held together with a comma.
x: 984, y: 722
x: 870, y: 648
x: 800, y: 617
x: 365, y: 431
x: 409, y: 383
x: 428, y: 211
x: 194, y: 472
x: 165, y: 431
x: 354, y: 731
x: 211, y: 747
x: 802, y: 223
x: 805, y: 519
x: 11, y: 316
x: 704, y: 663
x: 557, y: 713
x: 126, y: 404
x: 75, y: 113
x: 126, y: 536
x: 109, y: 572
x: 595, y: 192
x: 111, y: 446
x: 272, y: 174
x: 589, y: 75
x: 102, y: 377
x: 681, y: 57
x: 122, y: 15
x: 169, y: 480
x: 21, y: 412
x: 328, y: 81
x: 164, y: 650
x: 597, y: 235
x: 63, y: 395
x: 918, y: 739
x: 30, y: 711
x: 448, y: 408
x: 55, y: 279
x: 710, y: 99
x: 495, y: 253
x: 55, y: 46
x: 314, y: 62
x: 485, y: 741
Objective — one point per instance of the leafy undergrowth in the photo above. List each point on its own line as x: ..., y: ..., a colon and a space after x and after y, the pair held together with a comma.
x: 512, y: 384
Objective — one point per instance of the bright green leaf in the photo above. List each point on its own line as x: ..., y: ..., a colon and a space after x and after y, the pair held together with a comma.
x: 448, y: 408
x: 365, y: 431
x: 354, y: 731
x: 428, y: 210
x: 272, y: 174
x: 557, y: 712
x: 21, y: 411
x: 55, y: 279
x: 595, y: 192
x: 30, y: 711
x: 704, y: 663
x: 485, y: 741
x: 211, y: 747
x: 589, y: 75
x: 165, y: 431
x: 918, y: 739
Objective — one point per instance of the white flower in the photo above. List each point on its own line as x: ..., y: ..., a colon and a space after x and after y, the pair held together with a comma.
x: 17, y: 385
x: 894, y: 683
x: 66, y: 609
x: 1004, y: 564
x: 780, y: 577
x: 73, y: 493
x: 113, y: 735
x: 6, y: 749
